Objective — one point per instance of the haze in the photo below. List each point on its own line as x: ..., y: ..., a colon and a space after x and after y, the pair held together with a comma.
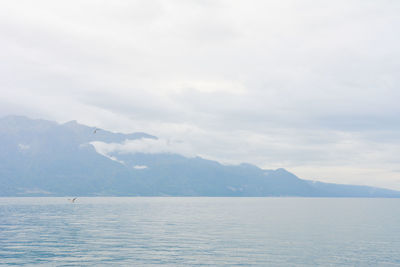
x: 310, y: 86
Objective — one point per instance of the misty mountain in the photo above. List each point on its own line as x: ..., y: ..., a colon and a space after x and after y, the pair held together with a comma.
x: 45, y: 158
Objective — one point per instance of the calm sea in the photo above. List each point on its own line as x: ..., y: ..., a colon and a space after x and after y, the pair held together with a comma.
x: 200, y: 232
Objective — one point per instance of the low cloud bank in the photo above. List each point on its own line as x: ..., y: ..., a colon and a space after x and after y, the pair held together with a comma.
x: 144, y: 145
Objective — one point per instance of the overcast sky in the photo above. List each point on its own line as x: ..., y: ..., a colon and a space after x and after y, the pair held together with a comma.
x: 310, y: 86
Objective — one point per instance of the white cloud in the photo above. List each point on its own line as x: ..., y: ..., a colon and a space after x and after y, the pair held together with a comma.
x: 106, y: 154
x: 144, y: 145
x: 140, y: 167
x: 302, y: 85
x: 23, y: 147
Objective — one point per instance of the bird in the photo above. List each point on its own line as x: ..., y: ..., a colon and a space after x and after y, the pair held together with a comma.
x: 72, y: 200
x: 95, y: 130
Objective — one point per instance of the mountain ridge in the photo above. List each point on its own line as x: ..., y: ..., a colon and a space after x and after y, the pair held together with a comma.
x: 46, y: 158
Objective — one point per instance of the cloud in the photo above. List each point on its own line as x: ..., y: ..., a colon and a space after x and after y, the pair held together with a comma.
x: 23, y: 147
x: 106, y: 153
x: 144, y: 145
x: 274, y: 83
x: 140, y: 167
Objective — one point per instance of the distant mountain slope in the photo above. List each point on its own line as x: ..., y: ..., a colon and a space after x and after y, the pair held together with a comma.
x: 40, y: 157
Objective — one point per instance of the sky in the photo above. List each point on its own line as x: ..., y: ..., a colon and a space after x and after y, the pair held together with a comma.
x: 309, y: 86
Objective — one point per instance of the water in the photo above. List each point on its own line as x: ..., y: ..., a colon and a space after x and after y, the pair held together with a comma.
x: 200, y: 232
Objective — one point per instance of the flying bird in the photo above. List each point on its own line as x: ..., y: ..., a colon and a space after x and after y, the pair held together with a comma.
x: 72, y: 200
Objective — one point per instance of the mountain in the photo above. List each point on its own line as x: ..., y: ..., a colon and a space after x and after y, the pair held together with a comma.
x: 45, y: 158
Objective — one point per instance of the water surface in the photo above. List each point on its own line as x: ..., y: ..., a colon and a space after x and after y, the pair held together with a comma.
x: 200, y: 231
